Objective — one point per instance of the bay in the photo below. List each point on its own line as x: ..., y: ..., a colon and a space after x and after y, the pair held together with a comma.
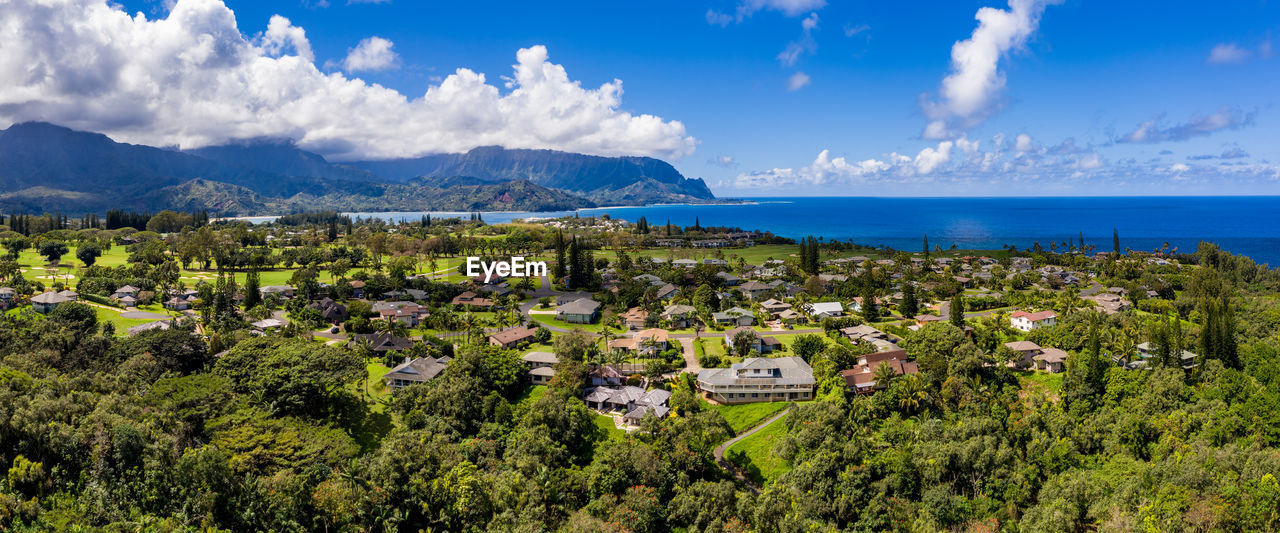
x: 1243, y: 225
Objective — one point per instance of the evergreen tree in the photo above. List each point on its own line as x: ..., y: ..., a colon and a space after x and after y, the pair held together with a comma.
x: 957, y: 310
x: 926, y: 246
x: 558, y: 272
x: 1115, y: 241
x: 909, y: 307
x: 252, y: 296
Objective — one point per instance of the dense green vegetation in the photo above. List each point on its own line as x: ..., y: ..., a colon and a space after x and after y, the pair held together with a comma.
x: 207, y: 426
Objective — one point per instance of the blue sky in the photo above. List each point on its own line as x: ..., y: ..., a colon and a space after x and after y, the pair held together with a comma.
x: 1077, y: 80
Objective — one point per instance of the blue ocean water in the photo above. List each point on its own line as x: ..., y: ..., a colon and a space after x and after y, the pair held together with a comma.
x: 1243, y: 225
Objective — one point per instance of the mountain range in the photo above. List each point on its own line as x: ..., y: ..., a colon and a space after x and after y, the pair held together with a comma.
x: 44, y: 167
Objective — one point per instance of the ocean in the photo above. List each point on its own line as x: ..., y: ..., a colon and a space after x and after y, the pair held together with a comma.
x: 1242, y: 225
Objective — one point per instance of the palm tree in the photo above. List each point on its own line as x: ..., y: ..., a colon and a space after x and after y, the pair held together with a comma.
x: 884, y: 375
x: 914, y: 394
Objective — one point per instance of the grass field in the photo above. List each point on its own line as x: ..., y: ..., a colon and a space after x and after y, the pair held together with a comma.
x: 755, y: 455
x: 606, y: 424
x: 1050, y: 383
x: 550, y: 320
x: 121, y: 323
x: 376, y: 392
x: 742, y: 417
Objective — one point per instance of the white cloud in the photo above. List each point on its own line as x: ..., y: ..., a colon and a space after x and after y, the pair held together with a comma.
x: 372, y: 54
x: 746, y: 8
x: 1226, y: 53
x: 930, y: 159
x: 1023, y: 143
x: 1152, y: 131
x: 969, y: 93
x: 193, y: 79
x: 805, y: 44
x: 723, y: 161
x: 850, y: 30
x: 797, y: 81
x: 716, y: 18
x: 281, y: 34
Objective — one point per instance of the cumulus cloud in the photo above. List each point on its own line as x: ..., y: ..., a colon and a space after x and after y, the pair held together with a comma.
x: 1154, y: 131
x: 192, y: 79
x: 972, y: 89
x: 281, y: 35
x: 797, y: 81
x: 372, y: 54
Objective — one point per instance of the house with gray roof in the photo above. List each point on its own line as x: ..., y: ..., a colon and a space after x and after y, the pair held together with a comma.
x: 7, y: 295
x: 757, y: 344
x: 629, y: 400
x: 759, y: 379
x: 582, y: 311
x: 666, y: 292
x: 754, y: 289
x: 680, y: 316
x: 419, y: 370
x: 734, y: 316
x: 542, y: 366
x: 46, y: 302
x: 571, y: 296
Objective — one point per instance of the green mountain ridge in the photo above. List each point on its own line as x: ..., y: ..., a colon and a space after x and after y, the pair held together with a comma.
x: 44, y: 167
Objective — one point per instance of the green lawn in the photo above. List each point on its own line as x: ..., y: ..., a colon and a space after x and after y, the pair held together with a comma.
x: 121, y: 323
x: 374, y: 389
x: 742, y: 417
x: 755, y: 455
x: 606, y: 424
x: 550, y: 320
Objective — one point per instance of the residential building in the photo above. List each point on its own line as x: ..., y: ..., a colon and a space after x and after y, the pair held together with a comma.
x: 680, y: 316
x: 1024, y: 321
x: 758, y: 343
x: 734, y: 316
x: 472, y: 300
x: 861, y: 378
x: 754, y: 290
x: 635, y: 318
x: 583, y: 311
x: 646, y: 343
x: 419, y: 370
x: 542, y: 366
x: 759, y: 379
x: 511, y: 338
x: 633, y: 402
x: 820, y: 310
x: 1051, y: 360
x: 666, y: 292
x: 774, y: 306
x: 383, y: 342
x: 46, y: 302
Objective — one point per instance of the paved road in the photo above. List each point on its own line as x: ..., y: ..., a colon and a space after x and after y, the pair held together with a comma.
x: 732, y: 468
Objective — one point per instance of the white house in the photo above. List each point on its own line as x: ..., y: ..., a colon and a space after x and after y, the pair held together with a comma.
x: 822, y: 310
x: 1024, y: 321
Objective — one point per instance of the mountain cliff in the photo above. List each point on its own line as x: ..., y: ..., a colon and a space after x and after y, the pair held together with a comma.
x: 639, y: 179
x: 44, y: 167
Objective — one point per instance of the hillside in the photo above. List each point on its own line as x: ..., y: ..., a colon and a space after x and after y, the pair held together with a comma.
x: 44, y: 167
x: 638, y: 179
